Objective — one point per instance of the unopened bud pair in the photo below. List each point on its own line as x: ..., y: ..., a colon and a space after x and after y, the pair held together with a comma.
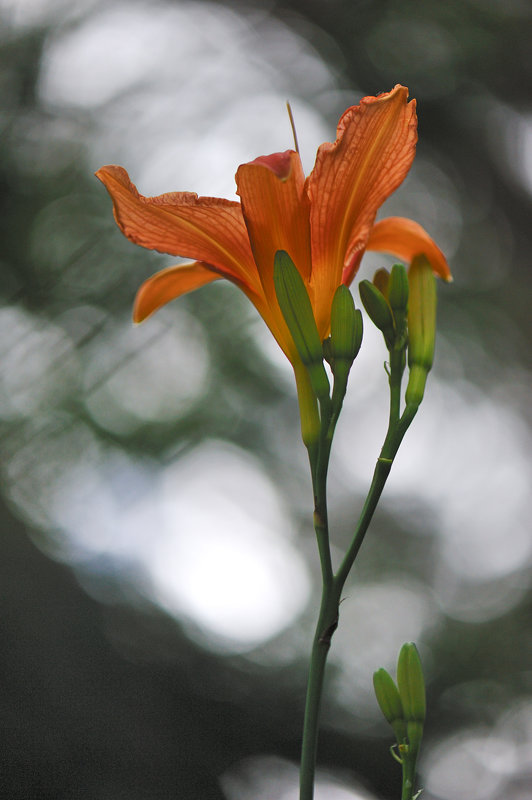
x: 386, y: 302
x: 340, y: 349
x: 403, y: 704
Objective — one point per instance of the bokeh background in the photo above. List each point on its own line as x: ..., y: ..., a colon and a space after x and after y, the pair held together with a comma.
x: 158, y: 573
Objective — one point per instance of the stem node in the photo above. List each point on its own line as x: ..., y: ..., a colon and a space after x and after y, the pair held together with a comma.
x: 327, y: 634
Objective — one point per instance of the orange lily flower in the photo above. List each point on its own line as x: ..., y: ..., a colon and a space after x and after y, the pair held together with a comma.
x: 325, y: 222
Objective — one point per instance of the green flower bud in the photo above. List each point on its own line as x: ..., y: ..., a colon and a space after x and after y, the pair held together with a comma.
x: 414, y: 733
x: 378, y: 310
x: 411, y: 684
x: 421, y: 327
x: 308, y: 410
x: 398, y: 300
x: 387, y: 695
x: 296, y: 308
x: 389, y: 702
x: 381, y: 280
x: 346, y: 328
x: 398, y: 289
x: 344, y: 342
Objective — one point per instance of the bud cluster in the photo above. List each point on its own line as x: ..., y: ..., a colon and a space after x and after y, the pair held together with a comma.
x: 386, y: 302
x: 403, y: 307
x: 403, y: 704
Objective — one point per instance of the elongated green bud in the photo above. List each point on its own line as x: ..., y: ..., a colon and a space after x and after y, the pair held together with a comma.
x: 421, y: 327
x: 387, y: 695
x: 308, y: 410
x: 398, y: 289
x: 411, y: 683
x: 389, y: 702
x: 414, y: 734
x: 381, y: 280
x: 378, y: 310
x: 421, y: 313
x: 296, y: 308
x: 343, y: 344
x: 297, y: 311
x: 346, y: 327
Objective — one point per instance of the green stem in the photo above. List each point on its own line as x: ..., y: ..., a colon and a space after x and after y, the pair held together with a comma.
x: 409, y: 772
x: 389, y: 450
x: 328, y: 616
x: 327, y: 623
x: 319, y: 485
x: 397, y: 366
x: 333, y: 584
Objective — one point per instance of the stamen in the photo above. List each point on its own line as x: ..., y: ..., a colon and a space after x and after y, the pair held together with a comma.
x: 293, y: 125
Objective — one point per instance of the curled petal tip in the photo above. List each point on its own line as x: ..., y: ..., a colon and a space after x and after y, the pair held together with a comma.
x: 279, y: 163
x: 168, y: 284
x: 137, y: 317
x: 140, y: 313
x: 406, y: 239
x: 398, y: 89
x: 110, y: 170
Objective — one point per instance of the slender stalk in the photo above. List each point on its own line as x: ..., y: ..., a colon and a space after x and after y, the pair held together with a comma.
x: 327, y: 623
x: 389, y: 450
x: 328, y: 616
x: 397, y: 365
x: 380, y: 475
x: 322, y: 537
x: 408, y: 779
x: 319, y: 485
x: 332, y: 584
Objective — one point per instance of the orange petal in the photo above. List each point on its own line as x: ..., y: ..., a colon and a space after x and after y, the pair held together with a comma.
x: 371, y: 156
x: 182, y: 224
x: 405, y: 238
x: 168, y: 284
x: 276, y: 211
x: 172, y: 282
